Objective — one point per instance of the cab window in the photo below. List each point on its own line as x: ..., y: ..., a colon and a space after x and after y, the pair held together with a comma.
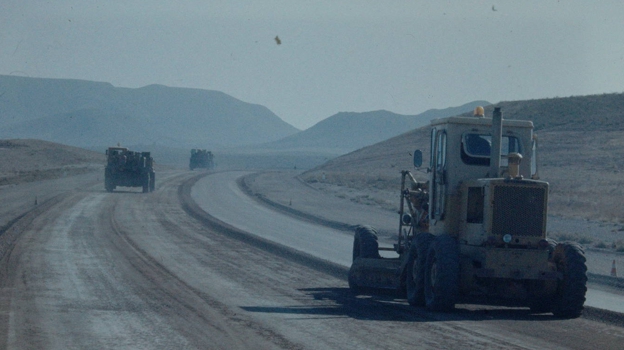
x: 476, y: 148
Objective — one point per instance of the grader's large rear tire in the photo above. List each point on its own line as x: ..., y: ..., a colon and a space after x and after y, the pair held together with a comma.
x: 442, y: 274
x: 570, y: 297
x: 415, y: 272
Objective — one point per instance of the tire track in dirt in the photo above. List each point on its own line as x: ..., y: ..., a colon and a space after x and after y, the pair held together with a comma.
x: 199, y: 312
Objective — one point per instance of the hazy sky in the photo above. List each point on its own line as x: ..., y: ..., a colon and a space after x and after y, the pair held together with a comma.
x: 403, y: 56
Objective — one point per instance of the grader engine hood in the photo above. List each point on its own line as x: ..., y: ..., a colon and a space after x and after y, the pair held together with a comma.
x: 510, y: 212
x: 518, y: 211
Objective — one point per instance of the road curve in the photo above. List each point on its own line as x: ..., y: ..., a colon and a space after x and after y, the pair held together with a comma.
x: 220, y: 196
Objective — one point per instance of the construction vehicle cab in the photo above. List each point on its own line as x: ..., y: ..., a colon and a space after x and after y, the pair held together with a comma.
x: 477, y: 228
x: 464, y: 160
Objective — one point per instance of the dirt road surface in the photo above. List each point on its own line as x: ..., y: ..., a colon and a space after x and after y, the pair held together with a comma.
x: 125, y: 270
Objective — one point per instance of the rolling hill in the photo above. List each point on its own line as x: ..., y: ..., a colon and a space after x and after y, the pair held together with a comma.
x: 35, y: 160
x: 347, y: 131
x: 93, y: 114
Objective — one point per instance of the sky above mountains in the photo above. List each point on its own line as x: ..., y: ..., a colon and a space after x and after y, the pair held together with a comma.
x: 307, y: 60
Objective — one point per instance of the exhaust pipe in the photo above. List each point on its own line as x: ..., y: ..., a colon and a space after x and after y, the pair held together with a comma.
x: 497, y: 134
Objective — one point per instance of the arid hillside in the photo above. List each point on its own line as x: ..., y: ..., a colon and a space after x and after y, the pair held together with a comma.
x: 347, y: 131
x: 581, y: 144
x: 33, y: 160
x: 96, y: 114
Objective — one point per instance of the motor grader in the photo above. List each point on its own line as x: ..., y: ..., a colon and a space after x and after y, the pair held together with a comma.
x: 476, y: 230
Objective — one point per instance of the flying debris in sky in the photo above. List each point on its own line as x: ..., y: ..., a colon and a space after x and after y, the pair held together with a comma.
x: 277, y: 40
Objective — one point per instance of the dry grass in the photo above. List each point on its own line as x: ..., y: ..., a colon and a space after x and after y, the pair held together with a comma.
x: 585, y: 173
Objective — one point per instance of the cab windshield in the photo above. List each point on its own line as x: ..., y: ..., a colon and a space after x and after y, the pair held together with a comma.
x: 476, y: 148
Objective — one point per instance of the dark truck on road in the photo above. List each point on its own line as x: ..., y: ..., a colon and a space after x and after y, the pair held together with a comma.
x: 130, y: 169
x: 201, y: 158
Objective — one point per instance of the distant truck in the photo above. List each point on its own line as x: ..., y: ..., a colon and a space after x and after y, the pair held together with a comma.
x: 130, y: 169
x: 201, y: 158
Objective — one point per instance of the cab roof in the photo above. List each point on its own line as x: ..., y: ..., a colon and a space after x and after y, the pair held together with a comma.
x: 481, y: 121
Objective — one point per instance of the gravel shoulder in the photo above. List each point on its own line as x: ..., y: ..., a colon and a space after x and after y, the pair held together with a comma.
x: 287, y: 192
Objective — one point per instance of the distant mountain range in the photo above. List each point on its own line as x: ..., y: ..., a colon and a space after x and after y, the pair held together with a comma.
x: 86, y: 114
x: 555, y: 118
x: 347, y: 131
x: 95, y: 115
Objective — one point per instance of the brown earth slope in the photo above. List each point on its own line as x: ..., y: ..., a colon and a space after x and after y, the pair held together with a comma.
x: 34, y: 160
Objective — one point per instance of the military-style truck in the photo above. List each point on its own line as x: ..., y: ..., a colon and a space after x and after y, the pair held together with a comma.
x: 201, y: 158
x: 476, y: 230
x: 129, y: 168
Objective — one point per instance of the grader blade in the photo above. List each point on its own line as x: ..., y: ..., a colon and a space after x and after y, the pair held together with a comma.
x: 375, y: 273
